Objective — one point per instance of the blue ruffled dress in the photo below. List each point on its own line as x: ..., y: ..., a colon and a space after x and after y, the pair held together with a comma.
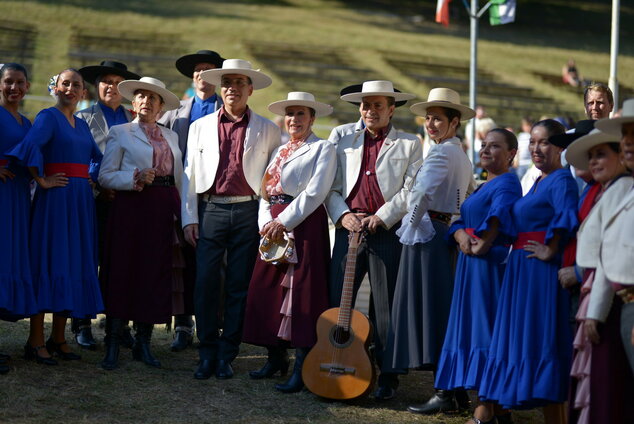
x: 477, y: 285
x: 531, y: 349
x: 63, y: 241
x: 17, y: 298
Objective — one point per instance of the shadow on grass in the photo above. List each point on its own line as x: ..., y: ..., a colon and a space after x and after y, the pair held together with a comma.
x: 162, y: 8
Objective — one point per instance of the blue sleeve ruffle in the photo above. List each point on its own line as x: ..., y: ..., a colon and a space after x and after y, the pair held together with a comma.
x: 564, y: 197
x: 507, y: 191
x: 28, y: 152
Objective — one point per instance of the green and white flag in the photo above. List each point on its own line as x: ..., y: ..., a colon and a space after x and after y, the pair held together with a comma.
x: 502, y: 12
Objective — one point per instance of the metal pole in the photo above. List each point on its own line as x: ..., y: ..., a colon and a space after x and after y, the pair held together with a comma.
x: 473, y: 74
x: 614, y: 53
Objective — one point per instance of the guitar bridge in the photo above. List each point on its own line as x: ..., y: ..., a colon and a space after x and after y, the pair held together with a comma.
x: 337, y: 369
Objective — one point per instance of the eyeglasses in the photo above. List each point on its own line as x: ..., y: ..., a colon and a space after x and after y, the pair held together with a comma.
x: 236, y: 82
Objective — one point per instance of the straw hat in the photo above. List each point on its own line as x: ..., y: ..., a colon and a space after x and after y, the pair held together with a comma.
x: 186, y: 64
x: 300, y: 98
x: 106, y: 67
x: 240, y: 67
x: 582, y: 128
x: 377, y: 88
x: 577, y: 152
x: 443, y: 97
x: 128, y: 87
x: 614, y: 125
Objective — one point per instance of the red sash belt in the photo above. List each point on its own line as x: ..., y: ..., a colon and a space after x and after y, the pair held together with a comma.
x: 4, y: 162
x: 523, y: 238
x: 78, y: 170
x: 471, y: 232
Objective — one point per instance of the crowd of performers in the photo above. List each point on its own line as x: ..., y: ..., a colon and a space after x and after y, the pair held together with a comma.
x: 159, y: 212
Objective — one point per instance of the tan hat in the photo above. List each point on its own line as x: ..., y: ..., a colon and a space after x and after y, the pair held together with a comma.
x: 300, y: 98
x: 577, y: 151
x: 614, y: 125
x: 128, y: 87
x: 377, y: 88
x: 443, y: 97
x: 240, y: 67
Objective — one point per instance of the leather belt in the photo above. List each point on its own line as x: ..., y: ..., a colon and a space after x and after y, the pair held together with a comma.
x: 627, y: 294
x: 280, y: 199
x: 445, y: 218
x: 164, y: 181
x: 206, y: 197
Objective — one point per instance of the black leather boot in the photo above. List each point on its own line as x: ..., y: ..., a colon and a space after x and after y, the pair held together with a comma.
x: 141, y: 349
x: 277, y: 361
x: 442, y: 401
x: 114, y: 327
x: 295, y: 383
x: 83, y: 333
x: 183, y: 332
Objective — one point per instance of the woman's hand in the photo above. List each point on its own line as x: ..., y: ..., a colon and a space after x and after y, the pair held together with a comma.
x: 372, y: 222
x: 464, y: 241
x: 352, y: 221
x: 5, y: 173
x: 540, y: 251
x: 146, y: 176
x: 590, y: 328
x: 567, y: 277
x: 51, y: 181
x: 274, y: 231
x: 480, y: 246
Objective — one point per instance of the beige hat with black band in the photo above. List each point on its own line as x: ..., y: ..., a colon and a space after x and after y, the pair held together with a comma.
x: 443, y: 97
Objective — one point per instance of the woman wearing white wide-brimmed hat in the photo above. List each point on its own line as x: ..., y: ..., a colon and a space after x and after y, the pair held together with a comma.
x: 616, y: 248
x: 141, y: 268
x: 285, y: 299
x: 425, y: 281
x: 599, y: 346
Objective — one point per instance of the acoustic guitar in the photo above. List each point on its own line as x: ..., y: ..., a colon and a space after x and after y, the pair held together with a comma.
x: 339, y: 365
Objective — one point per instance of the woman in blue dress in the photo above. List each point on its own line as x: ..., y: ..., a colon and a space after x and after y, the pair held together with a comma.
x: 16, y: 290
x: 59, y: 151
x: 530, y: 354
x: 482, y: 234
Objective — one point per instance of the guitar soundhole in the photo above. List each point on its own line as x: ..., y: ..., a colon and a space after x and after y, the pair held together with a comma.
x: 340, y: 337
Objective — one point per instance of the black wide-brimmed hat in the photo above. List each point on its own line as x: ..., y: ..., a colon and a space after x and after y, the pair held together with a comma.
x: 187, y: 63
x: 356, y: 88
x: 582, y: 128
x: 91, y: 73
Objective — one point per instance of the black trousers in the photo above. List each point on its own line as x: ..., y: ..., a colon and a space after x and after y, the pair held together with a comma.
x: 229, y: 229
x: 378, y: 255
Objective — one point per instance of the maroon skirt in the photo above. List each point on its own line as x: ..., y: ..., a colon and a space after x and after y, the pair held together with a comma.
x: 137, y: 272
x: 310, y: 287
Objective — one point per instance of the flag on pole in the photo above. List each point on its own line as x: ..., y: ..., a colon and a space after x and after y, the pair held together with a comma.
x: 501, y: 12
x: 442, y: 12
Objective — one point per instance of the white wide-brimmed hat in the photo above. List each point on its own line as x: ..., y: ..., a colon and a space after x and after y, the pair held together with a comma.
x: 128, y: 87
x: 577, y: 151
x: 377, y: 88
x: 300, y: 98
x: 614, y: 125
x: 443, y: 97
x: 240, y: 67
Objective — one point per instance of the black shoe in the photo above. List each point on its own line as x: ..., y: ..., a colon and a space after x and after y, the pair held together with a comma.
x: 277, y: 361
x: 31, y: 352
x: 384, y: 393
x: 114, y: 327
x: 4, y: 369
x: 442, y: 401
x: 55, y: 348
x: 127, y: 340
x: 295, y: 383
x: 224, y: 370
x: 84, y: 338
x: 182, y: 338
x: 206, y: 368
x: 462, y: 398
x: 141, y: 349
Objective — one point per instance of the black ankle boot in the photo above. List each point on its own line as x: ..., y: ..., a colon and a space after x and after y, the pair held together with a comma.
x: 141, y: 349
x: 442, y: 401
x: 295, y: 383
x: 114, y: 327
x: 277, y: 361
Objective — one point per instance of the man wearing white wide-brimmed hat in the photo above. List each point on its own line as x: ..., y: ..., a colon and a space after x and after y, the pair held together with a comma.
x: 375, y: 168
x: 227, y: 154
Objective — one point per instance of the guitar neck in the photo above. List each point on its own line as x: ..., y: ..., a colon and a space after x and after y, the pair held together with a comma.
x: 345, y: 307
